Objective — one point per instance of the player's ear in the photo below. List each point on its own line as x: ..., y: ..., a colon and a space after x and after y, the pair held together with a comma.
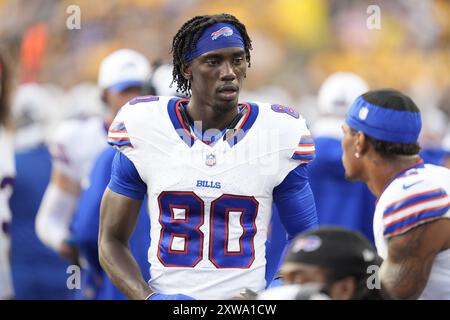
x: 186, y: 71
x: 361, y: 143
x: 104, y: 97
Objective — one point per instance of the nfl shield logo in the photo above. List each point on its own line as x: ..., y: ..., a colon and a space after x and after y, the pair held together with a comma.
x: 210, y: 160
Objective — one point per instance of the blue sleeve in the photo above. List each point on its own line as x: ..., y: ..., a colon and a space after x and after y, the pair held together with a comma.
x: 125, y: 179
x: 85, y: 224
x: 295, y: 202
x: 275, y: 245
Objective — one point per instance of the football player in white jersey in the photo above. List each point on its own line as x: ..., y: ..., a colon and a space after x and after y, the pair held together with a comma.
x: 77, y: 143
x: 7, y: 174
x: 411, y: 220
x: 211, y: 167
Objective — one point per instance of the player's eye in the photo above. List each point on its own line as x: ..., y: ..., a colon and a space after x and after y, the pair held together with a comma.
x: 238, y: 60
x: 212, y: 62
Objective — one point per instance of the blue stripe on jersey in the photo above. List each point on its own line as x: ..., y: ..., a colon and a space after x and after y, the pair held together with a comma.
x: 117, y: 126
x: 303, y: 157
x: 308, y: 140
x: 119, y: 143
x: 416, y: 219
x: 122, y: 138
x: 414, y: 199
x: 305, y: 142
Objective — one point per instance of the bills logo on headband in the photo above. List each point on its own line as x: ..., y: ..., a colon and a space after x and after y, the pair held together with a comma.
x: 363, y: 113
x: 307, y: 244
x: 224, y: 31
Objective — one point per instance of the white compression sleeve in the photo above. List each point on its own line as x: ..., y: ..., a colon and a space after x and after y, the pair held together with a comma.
x: 6, y: 287
x: 54, y: 216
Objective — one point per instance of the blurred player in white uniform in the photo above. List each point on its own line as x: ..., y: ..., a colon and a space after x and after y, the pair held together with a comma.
x: 77, y: 143
x: 211, y: 167
x: 7, y: 174
x: 38, y: 272
x: 411, y: 221
x: 84, y: 101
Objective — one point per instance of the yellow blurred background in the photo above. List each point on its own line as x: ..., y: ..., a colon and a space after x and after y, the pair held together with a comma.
x: 297, y: 43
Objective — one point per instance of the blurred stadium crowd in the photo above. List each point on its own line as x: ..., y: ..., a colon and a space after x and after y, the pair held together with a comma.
x: 297, y: 46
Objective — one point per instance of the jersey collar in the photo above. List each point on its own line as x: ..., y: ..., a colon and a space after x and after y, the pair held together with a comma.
x: 418, y: 164
x: 232, y: 136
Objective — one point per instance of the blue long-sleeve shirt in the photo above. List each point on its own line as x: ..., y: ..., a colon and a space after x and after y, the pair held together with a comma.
x: 38, y: 272
x: 85, y: 227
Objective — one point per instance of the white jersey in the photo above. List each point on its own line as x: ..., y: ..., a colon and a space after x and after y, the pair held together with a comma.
x: 75, y: 145
x: 210, y: 205
x: 417, y: 196
x: 7, y: 175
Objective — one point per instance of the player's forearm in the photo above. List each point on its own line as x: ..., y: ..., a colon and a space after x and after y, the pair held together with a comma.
x: 405, y: 272
x: 116, y: 259
x: 401, y: 282
x: 118, y: 216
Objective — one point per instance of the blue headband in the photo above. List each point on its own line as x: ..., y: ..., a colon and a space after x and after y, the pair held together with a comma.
x: 218, y: 36
x: 384, y: 124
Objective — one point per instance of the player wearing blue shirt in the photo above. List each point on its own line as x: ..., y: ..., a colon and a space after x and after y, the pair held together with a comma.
x: 436, y: 155
x: 84, y: 231
x: 38, y: 272
x: 338, y: 201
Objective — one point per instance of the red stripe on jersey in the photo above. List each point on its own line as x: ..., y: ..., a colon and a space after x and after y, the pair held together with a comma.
x: 119, y: 139
x: 415, y: 213
x: 415, y: 204
x: 412, y: 196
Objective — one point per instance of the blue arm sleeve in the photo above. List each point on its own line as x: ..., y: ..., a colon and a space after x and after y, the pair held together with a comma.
x: 85, y: 224
x: 125, y: 179
x: 275, y: 245
x: 295, y: 202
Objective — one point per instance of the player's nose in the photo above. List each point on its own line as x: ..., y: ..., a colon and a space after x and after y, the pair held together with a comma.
x: 227, y: 72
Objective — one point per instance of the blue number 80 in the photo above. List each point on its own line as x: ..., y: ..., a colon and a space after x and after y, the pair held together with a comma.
x: 232, y: 230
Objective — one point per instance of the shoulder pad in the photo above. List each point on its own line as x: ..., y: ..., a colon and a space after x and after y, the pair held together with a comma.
x: 412, y: 201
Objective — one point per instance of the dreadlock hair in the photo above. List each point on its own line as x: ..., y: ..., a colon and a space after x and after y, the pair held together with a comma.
x: 4, y: 91
x: 186, y: 38
x: 395, y: 100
